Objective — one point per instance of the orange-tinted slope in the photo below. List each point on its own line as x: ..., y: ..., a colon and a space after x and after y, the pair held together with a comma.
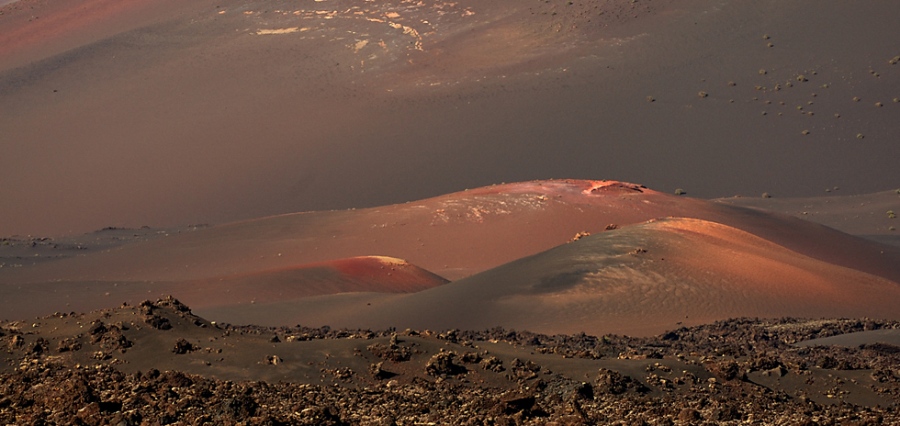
x: 640, y: 279
x: 36, y: 29
x: 454, y: 235
x: 359, y: 274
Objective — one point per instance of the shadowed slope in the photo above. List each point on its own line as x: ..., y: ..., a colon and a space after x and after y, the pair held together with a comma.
x: 37, y: 29
x: 639, y: 279
x: 454, y: 235
x: 867, y: 215
x: 200, y: 111
x: 359, y: 274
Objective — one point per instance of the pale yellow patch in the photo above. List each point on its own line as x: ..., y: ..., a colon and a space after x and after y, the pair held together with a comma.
x: 278, y: 31
x: 359, y: 45
x: 387, y: 261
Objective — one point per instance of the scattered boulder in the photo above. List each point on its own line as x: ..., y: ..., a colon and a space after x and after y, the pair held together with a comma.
x: 109, y: 338
x: 613, y: 382
x: 182, y: 347
x: 393, y: 352
x: 442, y: 363
x: 158, y: 322
x: 492, y: 363
x: 471, y: 358
x: 584, y: 391
x: 378, y: 372
x: 38, y: 347
x: 68, y: 345
x: 240, y: 406
x: 524, y: 370
x: 16, y: 342
x: 727, y: 370
x: 517, y: 407
x: 697, y: 383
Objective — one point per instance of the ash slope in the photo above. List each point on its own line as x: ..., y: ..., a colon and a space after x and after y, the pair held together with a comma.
x: 455, y: 235
x: 358, y: 274
x: 640, y: 279
x: 187, y: 111
x: 871, y: 216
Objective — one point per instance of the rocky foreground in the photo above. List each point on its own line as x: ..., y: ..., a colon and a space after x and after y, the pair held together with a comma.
x: 157, y: 363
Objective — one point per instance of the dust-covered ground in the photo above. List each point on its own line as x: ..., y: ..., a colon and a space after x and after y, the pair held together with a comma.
x: 157, y: 363
x: 165, y: 113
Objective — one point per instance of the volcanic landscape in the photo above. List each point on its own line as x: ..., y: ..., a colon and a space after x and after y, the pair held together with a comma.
x: 424, y: 212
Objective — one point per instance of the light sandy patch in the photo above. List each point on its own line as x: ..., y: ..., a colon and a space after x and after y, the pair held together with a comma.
x: 278, y: 31
x: 359, y: 45
x: 387, y: 261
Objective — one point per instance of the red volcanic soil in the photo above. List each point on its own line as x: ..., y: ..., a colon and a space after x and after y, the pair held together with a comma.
x: 359, y: 274
x: 640, y: 279
x: 454, y: 236
x: 36, y: 29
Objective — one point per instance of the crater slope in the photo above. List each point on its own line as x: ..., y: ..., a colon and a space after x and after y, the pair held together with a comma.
x: 639, y: 279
